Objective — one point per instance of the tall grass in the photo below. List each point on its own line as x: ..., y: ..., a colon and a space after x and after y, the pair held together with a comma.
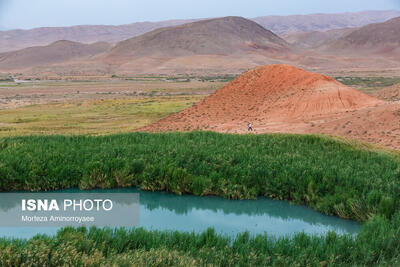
x: 329, y: 175
x: 377, y: 245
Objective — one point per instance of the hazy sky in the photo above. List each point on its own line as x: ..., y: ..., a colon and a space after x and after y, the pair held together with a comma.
x: 38, y: 13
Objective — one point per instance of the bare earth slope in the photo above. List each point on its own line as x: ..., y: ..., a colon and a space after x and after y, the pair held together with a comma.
x: 283, y: 98
x: 391, y: 93
x: 379, y: 38
x: 60, y: 51
x: 377, y: 125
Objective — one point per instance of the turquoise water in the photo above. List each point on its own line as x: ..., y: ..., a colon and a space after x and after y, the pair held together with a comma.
x: 165, y: 211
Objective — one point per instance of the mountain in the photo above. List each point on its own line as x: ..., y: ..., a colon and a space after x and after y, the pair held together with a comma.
x: 222, y: 36
x: 228, y: 45
x: 18, y: 39
x: 323, y: 22
x: 57, y: 52
x: 378, y: 38
x: 316, y: 38
x: 222, y: 45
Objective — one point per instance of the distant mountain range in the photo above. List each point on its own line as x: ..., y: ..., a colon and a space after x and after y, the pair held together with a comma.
x: 57, y: 52
x: 17, y: 39
x: 374, y: 39
x: 316, y: 38
x: 214, y: 46
x: 323, y: 22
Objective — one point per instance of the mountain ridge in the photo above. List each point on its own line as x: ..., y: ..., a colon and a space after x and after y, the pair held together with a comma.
x: 18, y: 39
x: 377, y: 38
x: 57, y: 52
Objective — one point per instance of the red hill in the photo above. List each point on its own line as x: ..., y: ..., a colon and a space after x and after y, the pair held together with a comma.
x: 268, y: 96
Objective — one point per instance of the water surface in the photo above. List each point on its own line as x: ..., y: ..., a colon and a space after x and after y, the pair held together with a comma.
x: 165, y: 211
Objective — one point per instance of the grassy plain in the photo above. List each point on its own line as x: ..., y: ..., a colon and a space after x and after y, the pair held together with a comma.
x: 97, y: 106
x: 91, y: 116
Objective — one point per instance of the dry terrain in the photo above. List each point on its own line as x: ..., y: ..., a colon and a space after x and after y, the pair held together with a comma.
x: 58, y: 52
x: 229, y: 45
x: 18, y: 39
x: 316, y: 38
x: 391, y: 93
x: 378, y: 39
x: 286, y: 99
x: 323, y: 22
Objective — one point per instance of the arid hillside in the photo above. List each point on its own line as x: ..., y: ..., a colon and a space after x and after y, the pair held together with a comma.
x: 269, y: 94
x: 222, y: 36
x: 286, y: 99
x: 18, y: 39
x: 223, y: 45
x: 58, y: 52
x: 316, y: 38
x: 228, y: 45
x: 391, y: 93
x: 323, y: 22
x: 378, y: 39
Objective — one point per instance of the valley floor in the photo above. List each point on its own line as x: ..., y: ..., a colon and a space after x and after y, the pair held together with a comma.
x: 94, y: 107
x: 116, y: 105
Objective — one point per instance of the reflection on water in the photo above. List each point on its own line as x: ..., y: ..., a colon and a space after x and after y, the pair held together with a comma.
x: 164, y: 211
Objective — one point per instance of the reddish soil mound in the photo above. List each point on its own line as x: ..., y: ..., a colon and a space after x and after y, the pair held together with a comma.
x: 267, y: 96
x: 285, y: 99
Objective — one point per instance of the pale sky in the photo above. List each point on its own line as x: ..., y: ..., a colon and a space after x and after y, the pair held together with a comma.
x: 27, y: 14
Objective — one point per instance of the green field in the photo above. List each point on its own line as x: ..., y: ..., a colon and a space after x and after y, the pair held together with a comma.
x: 93, y: 117
x: 369, y: 84
x: 331, y: 176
